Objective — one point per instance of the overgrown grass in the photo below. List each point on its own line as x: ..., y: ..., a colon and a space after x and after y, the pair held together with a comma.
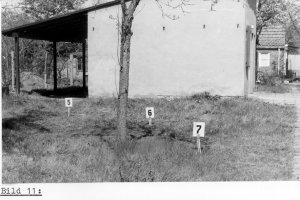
x: 281, y: 88
x: 246, y: 140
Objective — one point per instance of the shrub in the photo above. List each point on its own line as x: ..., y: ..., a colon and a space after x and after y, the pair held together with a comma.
x: 268, y: 79
x: 205, y: 96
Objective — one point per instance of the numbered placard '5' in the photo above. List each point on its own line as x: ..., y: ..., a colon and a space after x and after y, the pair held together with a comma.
x: 69, y: 102
x: 198, y: 129
x: 149, y: 112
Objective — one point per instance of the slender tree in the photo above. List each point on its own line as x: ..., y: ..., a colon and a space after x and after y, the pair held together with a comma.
x: 293, y: 25
x: 11, y: 16
x: 128, y: 10
x: 293, y: 12
x: 268, y: 12
x: 285, y: 12
x: 126, y: 34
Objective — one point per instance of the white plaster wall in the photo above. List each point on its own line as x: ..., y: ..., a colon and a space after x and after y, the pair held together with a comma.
x: 294, y: 63
x: 183, y: 59
x: 250, y: 17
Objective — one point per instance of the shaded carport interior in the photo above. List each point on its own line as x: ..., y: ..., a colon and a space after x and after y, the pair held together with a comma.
x: 70, y: 27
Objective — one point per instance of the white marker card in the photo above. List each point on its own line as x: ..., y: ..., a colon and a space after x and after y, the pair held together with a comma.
x: 198, y: 129
x: 69, y: 102
x: 149, y: 112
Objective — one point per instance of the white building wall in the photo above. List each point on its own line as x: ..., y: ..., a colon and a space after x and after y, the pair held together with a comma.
x: 203, y: 50
x: 250, y: 18
x: 294, y: 64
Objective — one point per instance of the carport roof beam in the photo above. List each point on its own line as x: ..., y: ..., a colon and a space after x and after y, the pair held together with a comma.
x: 70, y: 27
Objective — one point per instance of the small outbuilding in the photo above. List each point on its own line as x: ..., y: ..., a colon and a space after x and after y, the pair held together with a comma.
x: 272, y: 50
x: 203, y: 46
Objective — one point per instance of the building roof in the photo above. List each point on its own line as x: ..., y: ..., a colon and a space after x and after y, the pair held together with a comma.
x: 70, y: 27
x: 272, y: 37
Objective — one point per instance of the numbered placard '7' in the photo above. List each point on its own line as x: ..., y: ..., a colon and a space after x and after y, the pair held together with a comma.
x: 198, y: 129
x: 69, y: 102
x: 149, y: 112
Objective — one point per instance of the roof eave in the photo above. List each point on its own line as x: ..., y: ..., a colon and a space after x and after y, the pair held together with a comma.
x: 9, y: 32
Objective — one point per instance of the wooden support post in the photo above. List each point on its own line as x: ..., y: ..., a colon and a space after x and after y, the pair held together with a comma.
x: 17, y: 63
x: 278, y: 62
x: 199, y: 145
x: 71, y: 69
x: 83, y: 65
x: 12, y: 71
x: 45, y: 71
x: 54, y: 66
x: 285, y: 59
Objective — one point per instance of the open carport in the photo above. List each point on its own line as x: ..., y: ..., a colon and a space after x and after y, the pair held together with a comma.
x: 71, y: 27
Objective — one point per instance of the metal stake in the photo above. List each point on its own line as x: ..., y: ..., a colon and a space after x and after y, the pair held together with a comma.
x: 199, y: 145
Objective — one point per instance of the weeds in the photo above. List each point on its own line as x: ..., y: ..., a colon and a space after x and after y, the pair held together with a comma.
x: 205, y: 96
x: 271, y: 83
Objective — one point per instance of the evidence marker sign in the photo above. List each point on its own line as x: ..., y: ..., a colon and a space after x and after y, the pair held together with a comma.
x: 149, y: 112
x: 198, y: 129
x: 69, y: 102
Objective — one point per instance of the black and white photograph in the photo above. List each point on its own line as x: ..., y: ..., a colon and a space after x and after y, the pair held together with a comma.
x: 112, y: 91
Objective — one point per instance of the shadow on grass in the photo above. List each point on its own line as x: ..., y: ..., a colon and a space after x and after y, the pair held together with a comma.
x: 77, y: 92
x: 15, y: 130
x: 107, y: 131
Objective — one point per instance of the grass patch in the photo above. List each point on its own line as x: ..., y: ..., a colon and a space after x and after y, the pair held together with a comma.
x: 282, y: 88
x: 246, y: 140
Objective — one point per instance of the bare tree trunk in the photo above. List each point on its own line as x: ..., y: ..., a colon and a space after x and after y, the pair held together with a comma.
x: 124, y: 80
x: 126, y: 33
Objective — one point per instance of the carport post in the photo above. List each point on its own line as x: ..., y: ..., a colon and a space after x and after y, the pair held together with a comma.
x: 285, y: 58
x: 17, y: 63
x: 278, y: 61
x: 83, y: 65
x: 12, y: 70
x: 54, y: 66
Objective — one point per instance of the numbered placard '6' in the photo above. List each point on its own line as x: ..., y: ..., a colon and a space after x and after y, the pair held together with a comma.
x: 149, y: 112
x: 198, y: 129
x: 69, y: 102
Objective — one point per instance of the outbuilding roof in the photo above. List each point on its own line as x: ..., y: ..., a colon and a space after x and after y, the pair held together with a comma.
x: 70, y: 27
x: 272, y: 37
